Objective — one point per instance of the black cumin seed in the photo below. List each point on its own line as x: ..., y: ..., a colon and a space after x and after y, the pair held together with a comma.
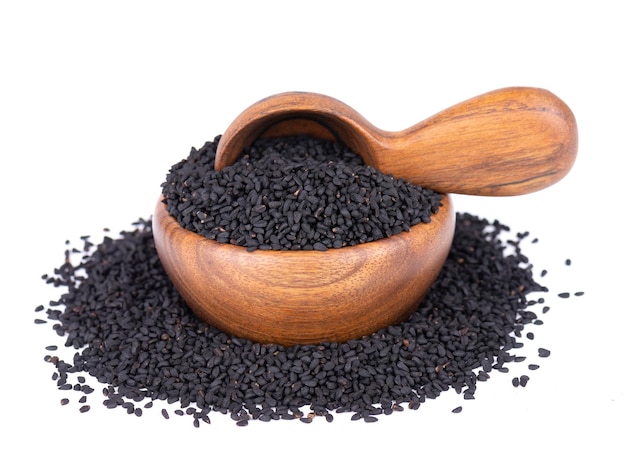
x: 165, y: 414
x: 563, y: 295
x: 456, y: 410
x: 39, y: 308
x: 52, y: 348
x: 41, y: 321
x: 84, y: 409
x: 65, y: 401
x: 543, y: 353
x: 533, y: 367
x: 523, y: 380
x: 515, y: 381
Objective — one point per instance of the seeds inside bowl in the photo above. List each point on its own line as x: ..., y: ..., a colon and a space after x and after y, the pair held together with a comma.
x: 296, y: 193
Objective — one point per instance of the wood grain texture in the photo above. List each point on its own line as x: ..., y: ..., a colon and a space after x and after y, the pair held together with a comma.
x: 506, y: 142
x: 300, y: 297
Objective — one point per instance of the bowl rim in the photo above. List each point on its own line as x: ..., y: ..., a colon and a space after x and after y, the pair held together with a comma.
x: 429, y: 228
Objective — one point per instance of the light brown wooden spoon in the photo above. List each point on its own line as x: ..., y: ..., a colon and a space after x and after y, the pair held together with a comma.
x: 506, y: 142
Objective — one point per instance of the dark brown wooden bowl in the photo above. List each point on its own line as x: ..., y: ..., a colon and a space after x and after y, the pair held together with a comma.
x: 302, y: 297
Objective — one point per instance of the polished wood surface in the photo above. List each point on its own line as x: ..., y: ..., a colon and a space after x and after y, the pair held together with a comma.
x: 506, y: 142
x: 298, y: 297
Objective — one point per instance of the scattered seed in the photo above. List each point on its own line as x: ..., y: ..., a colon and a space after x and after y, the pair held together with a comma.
x: 84, y: 409
x: 456, y: 410
x: 543, y: 353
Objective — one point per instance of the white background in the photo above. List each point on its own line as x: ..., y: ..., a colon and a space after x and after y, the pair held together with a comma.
x: 99, y: 99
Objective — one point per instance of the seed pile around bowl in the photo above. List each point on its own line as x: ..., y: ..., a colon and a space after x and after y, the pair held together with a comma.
x: 126, y: 327
x: 293, y: 193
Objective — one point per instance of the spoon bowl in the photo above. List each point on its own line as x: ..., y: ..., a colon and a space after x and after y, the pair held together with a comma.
x: 303, y: 297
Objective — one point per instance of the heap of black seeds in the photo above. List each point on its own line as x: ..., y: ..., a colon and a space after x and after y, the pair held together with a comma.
x: 293, y: 193
x: 131, y: 331
x: 128, y: 328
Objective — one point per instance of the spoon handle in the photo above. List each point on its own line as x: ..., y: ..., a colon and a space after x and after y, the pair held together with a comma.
x: 506, y: 142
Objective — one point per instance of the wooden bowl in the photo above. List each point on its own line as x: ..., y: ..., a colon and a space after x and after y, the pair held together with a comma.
x: 303, y: 297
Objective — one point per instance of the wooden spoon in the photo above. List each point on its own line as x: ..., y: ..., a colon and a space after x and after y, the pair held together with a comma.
x: 506, y: 142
